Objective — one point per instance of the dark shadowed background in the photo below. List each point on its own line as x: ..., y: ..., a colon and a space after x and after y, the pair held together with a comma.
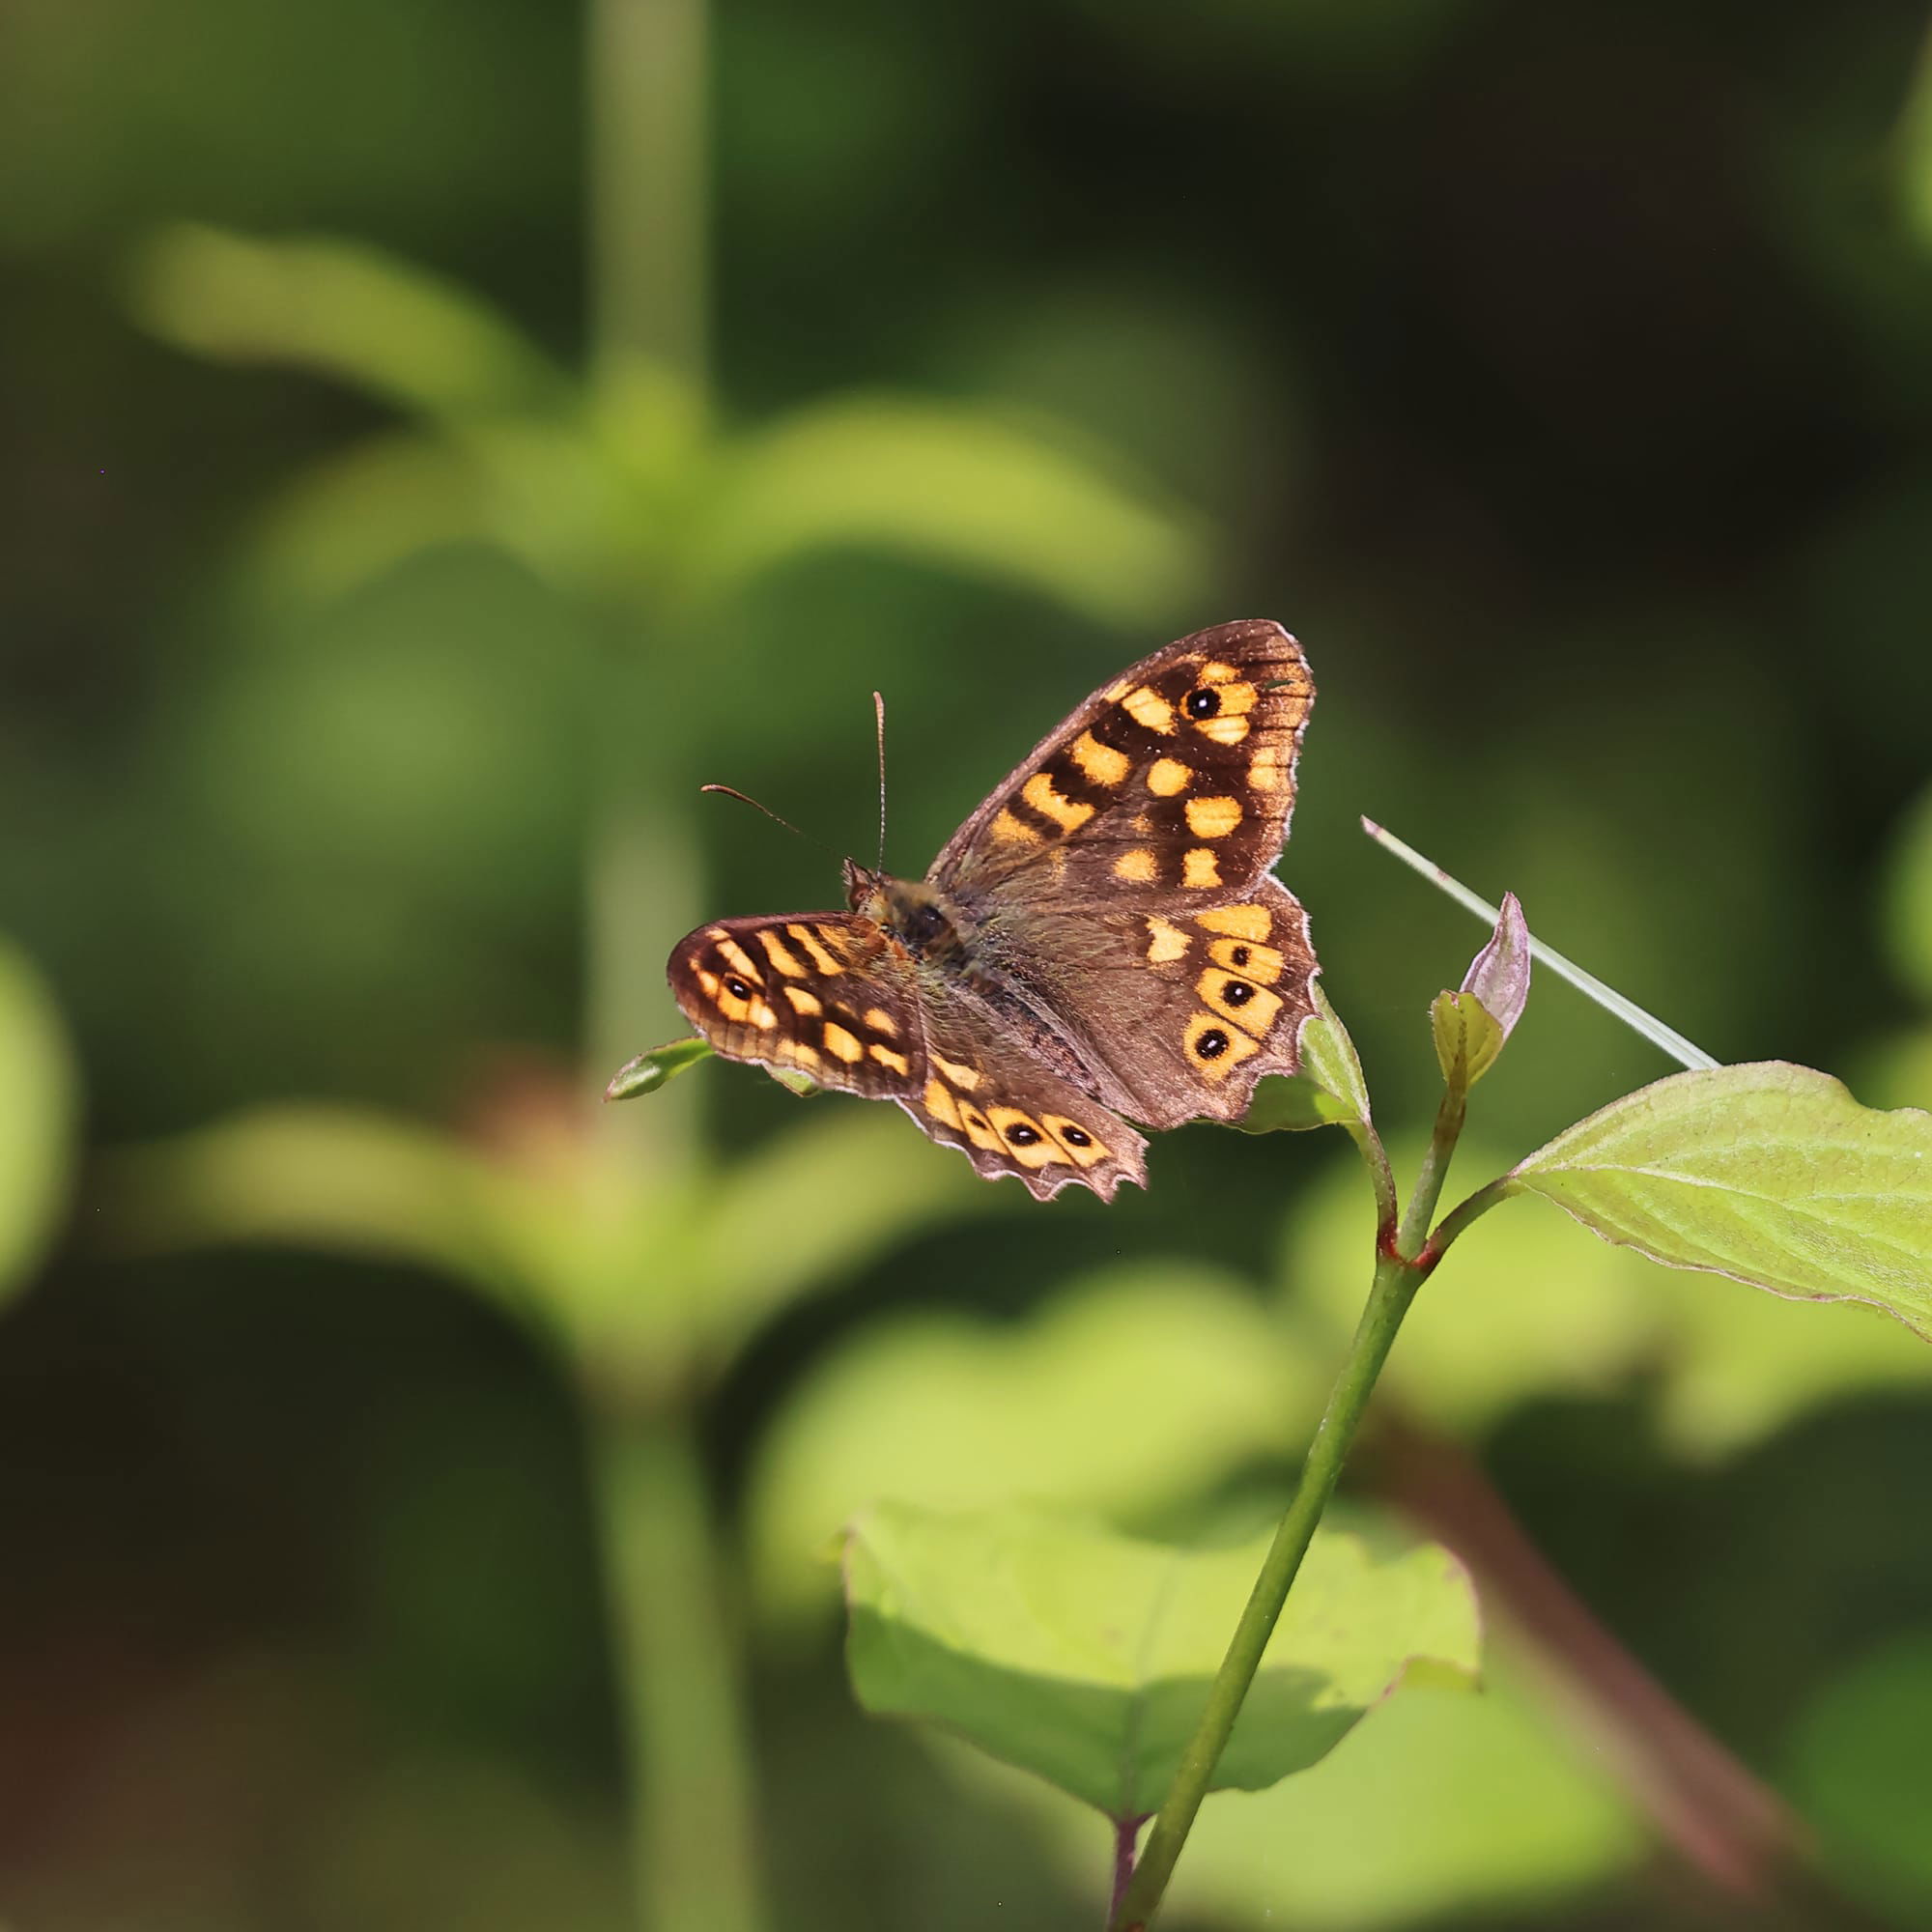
x: 400, y: 514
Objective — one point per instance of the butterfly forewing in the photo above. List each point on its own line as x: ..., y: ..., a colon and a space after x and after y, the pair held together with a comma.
x: 831, y: 996
x: 1173, y: 783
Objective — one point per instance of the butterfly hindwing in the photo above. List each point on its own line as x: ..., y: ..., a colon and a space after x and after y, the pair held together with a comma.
x: 1172, y: 784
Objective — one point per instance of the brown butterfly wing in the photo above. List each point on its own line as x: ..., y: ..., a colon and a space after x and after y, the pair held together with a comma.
x: 829, y: 996
x: 1171, y: 785
x: 1180, y: 1012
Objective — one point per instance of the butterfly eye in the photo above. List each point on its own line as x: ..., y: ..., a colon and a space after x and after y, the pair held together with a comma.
x: 1076, y: 1137
x: 736, y: 987
x: 1203, y: 703
x: 1238, y: 956
x: 1237, y: 992
x: 1211, y: 1044
x: 1022, y: 1135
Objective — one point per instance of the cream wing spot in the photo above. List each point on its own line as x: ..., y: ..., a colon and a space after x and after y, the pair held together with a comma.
x: 1149, y: 709
x: 813, y: 949
x: 1238, y: 922
x: 845, y: 1045
x: 1200, y: 870
x: 886, y: 1057
x: 1168, y: 776
x: 941, y: 1104
x: 1099, y: 762
x: 1007, y: 830
x: 775, y: 950
x: 1070, y: 814
x: 881, y: 1021
x: 802, y: 1002
x: 1213, y: 817
x: 967, y: 1077
x: 1137, y: 866
x: 1166, y: 942
x: 734, y: 954
x: 1266, y: 771
x: 1224, y: 731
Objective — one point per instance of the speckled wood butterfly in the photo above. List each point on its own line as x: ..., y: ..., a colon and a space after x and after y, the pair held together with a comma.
x: 1100, y: 942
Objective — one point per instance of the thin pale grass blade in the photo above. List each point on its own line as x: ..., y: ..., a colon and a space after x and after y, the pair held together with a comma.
x: 1609, y: 998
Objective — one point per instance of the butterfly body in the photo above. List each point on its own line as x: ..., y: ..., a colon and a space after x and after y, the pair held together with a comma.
x: 1099, y: 942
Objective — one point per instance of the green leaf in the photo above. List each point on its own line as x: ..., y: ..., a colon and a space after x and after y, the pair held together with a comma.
x: 343, y: 309
x: 1769, y: 1172
x: 1328, y: 1089
x: 37, y: 1120
x: 1086, y: 1657
x: 953, y: 1411
x: 959, y: 486
x: 1467, y: 1039
x: 648, y: 1071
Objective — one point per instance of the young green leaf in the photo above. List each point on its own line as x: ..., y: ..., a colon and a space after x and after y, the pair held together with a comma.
x: 1328, y: 1091
x: 649, y: 1070
x: 1468, y: 1037
x: 1768, y: 1172
x: 1086, y: 1657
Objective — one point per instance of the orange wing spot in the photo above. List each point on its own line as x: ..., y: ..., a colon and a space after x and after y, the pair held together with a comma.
x: 1237, y: 699
x: 1026, y: 1141
x: 976, y: 1126
x: 775, y: 950
x: 717, y: 932
x: 803, y: 1002
x: 1261, y: 964
x: 1066, y: 813
x: 1137, y: 868
x: 1268, y: 769
x: 1168, y: 776
x: 1166, y: 943
x: 941, y: 1105
x: 734, y: 954
x: 1213, y: 817
x: 881, y: 1021
x: 813, y: 949
x: 740, y: 1012
x: 1214, y: 1047
x: 1224, y: 731
x: 1238, y: 922
x: 796, y: 1049
x: 1007, y: 830
x: 897, y: 1062
x: 1251, y: 1007
x: 1084, y: 1148
x: 1148, y: 708
x: 844, y: 1044
x: 967, y: 1077
x: 1099, y: 762
x: 1200, y: 870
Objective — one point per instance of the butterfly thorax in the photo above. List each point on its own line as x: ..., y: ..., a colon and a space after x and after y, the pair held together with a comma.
x: 911, y: 911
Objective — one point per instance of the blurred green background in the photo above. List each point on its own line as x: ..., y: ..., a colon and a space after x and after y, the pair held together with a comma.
x: 434, y: 436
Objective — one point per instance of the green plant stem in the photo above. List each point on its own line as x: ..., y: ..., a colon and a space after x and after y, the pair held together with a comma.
x: 695, y: 1864
x: 1429, y: 1182
x: 1394, y: 1287
x: 1473, y: 1209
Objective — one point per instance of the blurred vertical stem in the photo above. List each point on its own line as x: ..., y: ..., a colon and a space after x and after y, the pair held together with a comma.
x: 695, y: 1864
x: 694, y: 1860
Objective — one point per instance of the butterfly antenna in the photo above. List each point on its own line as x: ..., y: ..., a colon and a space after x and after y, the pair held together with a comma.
x: 879, y: 716
x: 744, y: 798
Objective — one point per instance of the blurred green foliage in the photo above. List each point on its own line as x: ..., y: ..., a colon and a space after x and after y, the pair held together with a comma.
x: 1560, y: 377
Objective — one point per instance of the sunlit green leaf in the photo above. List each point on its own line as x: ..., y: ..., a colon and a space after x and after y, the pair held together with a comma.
x: 1467, y: 1039
x: 1085, y: 1657
x: 343, y: 309
x: 645, y: 1072
x: 36, y: 1108
x: 1328, y: 1089
x: 957, y: 486
x: 954, y: 1411
x: 1768, y: 1172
